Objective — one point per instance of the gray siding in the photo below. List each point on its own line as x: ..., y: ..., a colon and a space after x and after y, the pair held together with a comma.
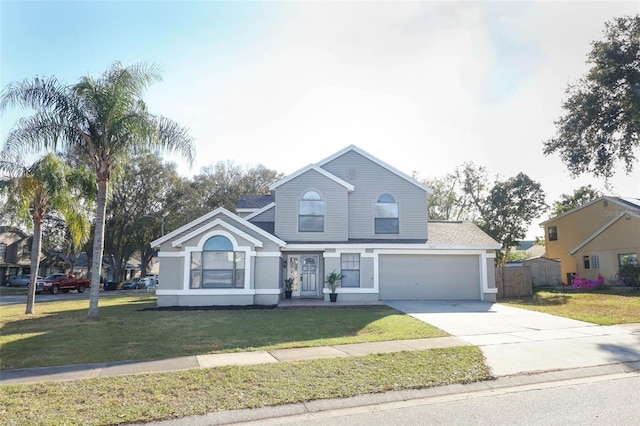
x: 266, y: 273
x: 290, y: 193
x: 171, y: 273
x: 370, y: 181
x: 267, y: 216
x: 429, y: 277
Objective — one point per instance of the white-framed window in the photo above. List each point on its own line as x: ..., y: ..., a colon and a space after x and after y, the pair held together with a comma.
x: 217, y: 265
x: 350, y: 269
x: 386, y: 215
x: 311, y: 213
x: 595, y: 262
x: 553, y: 233
x: 3, y: 251
x: 586, y: 262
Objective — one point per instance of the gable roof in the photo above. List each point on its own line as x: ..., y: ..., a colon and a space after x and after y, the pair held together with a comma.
x: 633, y: 203
x: 602, y: 229
x: 378, y: 162
x: 219, y: 211
x: 315, y: 168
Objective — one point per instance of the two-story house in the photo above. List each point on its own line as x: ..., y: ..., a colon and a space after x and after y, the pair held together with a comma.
x: 350, y: 213
x: 15, y: 253
x: 595, y: 238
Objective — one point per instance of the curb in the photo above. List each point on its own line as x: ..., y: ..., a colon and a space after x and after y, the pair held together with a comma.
x: 300, y: 411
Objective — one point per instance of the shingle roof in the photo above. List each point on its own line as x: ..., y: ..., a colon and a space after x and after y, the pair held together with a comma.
x: 254, y: 201
x: 459, y: 234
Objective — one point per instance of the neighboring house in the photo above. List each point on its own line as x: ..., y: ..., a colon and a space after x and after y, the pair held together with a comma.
x: 15, y: 253
x: 530, y: 247
x: 350, y: 213
x: 544, y: 271
x: 61, y: 263
x: 595, y: 238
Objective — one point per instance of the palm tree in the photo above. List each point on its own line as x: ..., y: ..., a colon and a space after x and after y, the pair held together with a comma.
x: 102, y: 121
x: 32, y: 191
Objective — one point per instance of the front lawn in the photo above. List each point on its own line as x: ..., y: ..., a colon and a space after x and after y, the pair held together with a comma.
x: 601, y: 306
x: 59, y: 332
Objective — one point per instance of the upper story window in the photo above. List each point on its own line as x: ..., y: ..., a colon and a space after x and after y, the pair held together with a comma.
x: 217, y: 266
x: 26, y: 251
x: 553, y: 233
x: 311, y: 213
x: 386, y: 215
x: 3, y: 251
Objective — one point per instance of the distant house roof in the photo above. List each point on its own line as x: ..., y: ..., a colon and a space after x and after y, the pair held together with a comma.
x: 458, y: 233
x: 525, y: 245
x: 254, y: 201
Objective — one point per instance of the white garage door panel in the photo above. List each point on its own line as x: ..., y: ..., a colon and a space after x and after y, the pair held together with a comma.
x: 429, y: 277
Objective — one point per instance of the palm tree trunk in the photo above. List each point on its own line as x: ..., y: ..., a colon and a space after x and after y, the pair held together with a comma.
x: 98, y: 248
x: 35, y: 262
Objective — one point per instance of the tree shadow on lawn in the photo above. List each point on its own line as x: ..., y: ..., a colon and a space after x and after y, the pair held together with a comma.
x: 127, y: 332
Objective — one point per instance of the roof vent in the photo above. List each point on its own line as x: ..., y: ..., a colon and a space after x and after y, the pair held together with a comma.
x: 352, y: 173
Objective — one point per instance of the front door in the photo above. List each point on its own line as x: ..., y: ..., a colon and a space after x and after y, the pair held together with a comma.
x: 304, y: 270
x: 309, y: 275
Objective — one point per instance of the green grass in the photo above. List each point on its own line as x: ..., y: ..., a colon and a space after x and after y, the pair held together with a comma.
x: 600, y: 306
x: 59, y: 332
x: 149, y: 397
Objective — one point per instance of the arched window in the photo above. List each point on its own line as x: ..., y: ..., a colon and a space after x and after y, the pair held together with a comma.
x: 311, y: 213
x: 386, y: 215
x: 217, y: 266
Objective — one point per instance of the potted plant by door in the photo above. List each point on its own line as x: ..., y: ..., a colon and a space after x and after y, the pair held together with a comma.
x: 332, y: 282
x: 288, y: 287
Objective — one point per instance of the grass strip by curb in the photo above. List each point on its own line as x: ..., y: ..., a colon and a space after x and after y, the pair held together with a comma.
x: 148, y: 397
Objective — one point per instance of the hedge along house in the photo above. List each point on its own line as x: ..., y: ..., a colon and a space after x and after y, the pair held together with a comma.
x: 350, y: 213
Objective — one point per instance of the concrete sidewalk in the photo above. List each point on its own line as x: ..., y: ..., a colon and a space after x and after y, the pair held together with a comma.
x: 109, y: 369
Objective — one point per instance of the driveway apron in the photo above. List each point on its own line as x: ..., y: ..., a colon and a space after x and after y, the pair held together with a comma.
x: 516, y: 341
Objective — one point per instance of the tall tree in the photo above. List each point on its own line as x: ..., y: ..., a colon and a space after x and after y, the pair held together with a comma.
x: 580, y: 196
x: 601, y: 123
x: 136, y: 208
x: 448, y: 201
x: 220, y: 185
x: 32, y: 191
x: 104, y: 119
x: 505, y: 208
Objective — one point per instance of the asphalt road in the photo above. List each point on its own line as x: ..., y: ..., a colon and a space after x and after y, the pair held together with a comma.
x: 600, y: 400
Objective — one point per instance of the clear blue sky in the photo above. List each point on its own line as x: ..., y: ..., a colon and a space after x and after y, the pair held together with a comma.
x: 423, y: 86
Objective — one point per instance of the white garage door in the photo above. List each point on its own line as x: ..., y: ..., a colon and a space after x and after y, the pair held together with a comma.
x: 429, y: 277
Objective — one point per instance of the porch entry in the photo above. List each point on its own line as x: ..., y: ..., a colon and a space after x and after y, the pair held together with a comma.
x: 304, y: 269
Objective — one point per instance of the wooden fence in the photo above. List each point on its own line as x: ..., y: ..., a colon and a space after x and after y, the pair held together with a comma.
x: 513, y: 282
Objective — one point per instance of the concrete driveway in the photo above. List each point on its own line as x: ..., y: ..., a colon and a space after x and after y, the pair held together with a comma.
x: 516, y: 341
